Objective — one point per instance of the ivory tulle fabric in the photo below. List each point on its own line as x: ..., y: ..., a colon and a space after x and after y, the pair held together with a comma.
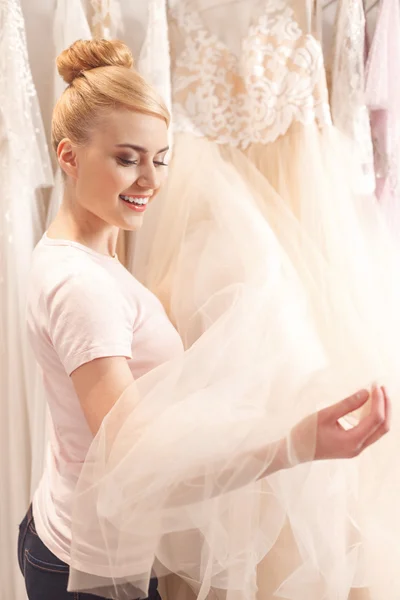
x: 215, y: 410
x: 284, y: 287
x: 178, y: 444
x: 182, y: 443
x: 169, y: 484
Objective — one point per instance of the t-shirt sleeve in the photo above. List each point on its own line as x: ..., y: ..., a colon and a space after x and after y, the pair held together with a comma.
x: 89, y: 318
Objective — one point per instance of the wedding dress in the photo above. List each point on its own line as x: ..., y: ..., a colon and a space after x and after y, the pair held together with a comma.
x: 221, y: 102
x: 383, y: 98
x: 260, y: 104
x: 284, y: 288
x: 347, y: 99
x: 24, y: 169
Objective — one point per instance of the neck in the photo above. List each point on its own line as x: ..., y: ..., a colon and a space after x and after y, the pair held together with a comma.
x: 75, y: 223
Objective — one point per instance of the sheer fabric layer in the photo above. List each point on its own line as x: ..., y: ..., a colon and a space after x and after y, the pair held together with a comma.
x: 170, y: 483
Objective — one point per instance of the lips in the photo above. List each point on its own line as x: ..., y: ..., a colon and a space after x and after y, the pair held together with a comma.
x: 136, y: 203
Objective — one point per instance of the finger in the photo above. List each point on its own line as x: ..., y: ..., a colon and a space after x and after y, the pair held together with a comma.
x: 383, y: 429
x: 369, y: 425
x: 388, y: 407
x: 344, y: 407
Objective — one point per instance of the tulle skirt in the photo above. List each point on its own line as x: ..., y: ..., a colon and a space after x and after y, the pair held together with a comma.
x: 283, y: 309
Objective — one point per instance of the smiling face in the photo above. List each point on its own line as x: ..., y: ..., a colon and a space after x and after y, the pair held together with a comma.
x: 119, y: 170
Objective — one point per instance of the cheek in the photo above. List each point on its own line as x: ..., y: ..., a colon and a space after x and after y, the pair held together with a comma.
x: 104, y: 180
x: 111, y: 182
x: 116, y: 178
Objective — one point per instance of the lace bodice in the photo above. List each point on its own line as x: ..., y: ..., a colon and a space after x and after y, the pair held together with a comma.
x: 277, y: 80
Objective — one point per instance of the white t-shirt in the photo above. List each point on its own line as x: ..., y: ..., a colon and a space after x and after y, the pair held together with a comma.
x: 83, y: 305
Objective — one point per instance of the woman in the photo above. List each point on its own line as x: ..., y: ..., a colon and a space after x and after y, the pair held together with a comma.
x: 96, y: 330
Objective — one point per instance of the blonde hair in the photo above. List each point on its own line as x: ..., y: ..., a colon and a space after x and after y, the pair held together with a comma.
x: 101, y: 78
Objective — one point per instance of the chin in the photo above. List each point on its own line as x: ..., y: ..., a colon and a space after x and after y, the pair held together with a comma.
x: 133, y: 225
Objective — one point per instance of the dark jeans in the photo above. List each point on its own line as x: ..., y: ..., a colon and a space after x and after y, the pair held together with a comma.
x: 46, y: 576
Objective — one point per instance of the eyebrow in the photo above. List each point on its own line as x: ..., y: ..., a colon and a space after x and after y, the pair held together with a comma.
x: 140, y: 148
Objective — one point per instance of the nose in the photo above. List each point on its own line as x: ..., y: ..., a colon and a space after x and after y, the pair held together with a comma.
x: 149, y: 177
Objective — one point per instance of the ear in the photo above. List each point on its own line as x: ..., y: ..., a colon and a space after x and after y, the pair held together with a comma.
x: 67, y: 158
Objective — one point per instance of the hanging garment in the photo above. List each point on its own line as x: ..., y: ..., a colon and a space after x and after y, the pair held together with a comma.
x: 24, y: 169
x: 70, y: 24
x: 383, y: 99
x: 348, y: 104
x: 107, y: 23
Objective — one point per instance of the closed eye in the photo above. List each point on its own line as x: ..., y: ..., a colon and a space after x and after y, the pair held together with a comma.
x: 129, y: 163
x: 126, y: 162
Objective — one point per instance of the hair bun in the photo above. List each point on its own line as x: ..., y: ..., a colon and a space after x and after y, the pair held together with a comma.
x: 84, y: 55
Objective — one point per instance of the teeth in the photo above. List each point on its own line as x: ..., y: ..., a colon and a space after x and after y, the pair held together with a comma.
x: 133, y: 200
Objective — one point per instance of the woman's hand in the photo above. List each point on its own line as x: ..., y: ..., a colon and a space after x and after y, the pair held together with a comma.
x: 335, y: 441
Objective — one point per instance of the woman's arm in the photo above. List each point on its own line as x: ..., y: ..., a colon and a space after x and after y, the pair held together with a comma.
x: 101, y: 382
x: 332, y: 440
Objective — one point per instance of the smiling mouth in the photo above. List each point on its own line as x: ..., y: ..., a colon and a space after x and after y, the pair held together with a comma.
x: 138, y: 203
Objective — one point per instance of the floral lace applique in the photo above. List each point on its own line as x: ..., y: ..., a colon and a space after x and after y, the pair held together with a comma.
x: 278, y: 80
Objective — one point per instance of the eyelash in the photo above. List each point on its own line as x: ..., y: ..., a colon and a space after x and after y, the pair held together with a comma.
x: 129, y: 163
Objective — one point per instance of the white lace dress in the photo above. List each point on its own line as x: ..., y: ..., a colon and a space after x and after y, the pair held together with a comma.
x: 251, y: 96
x: 24, y: 169
x: 348, y: 100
